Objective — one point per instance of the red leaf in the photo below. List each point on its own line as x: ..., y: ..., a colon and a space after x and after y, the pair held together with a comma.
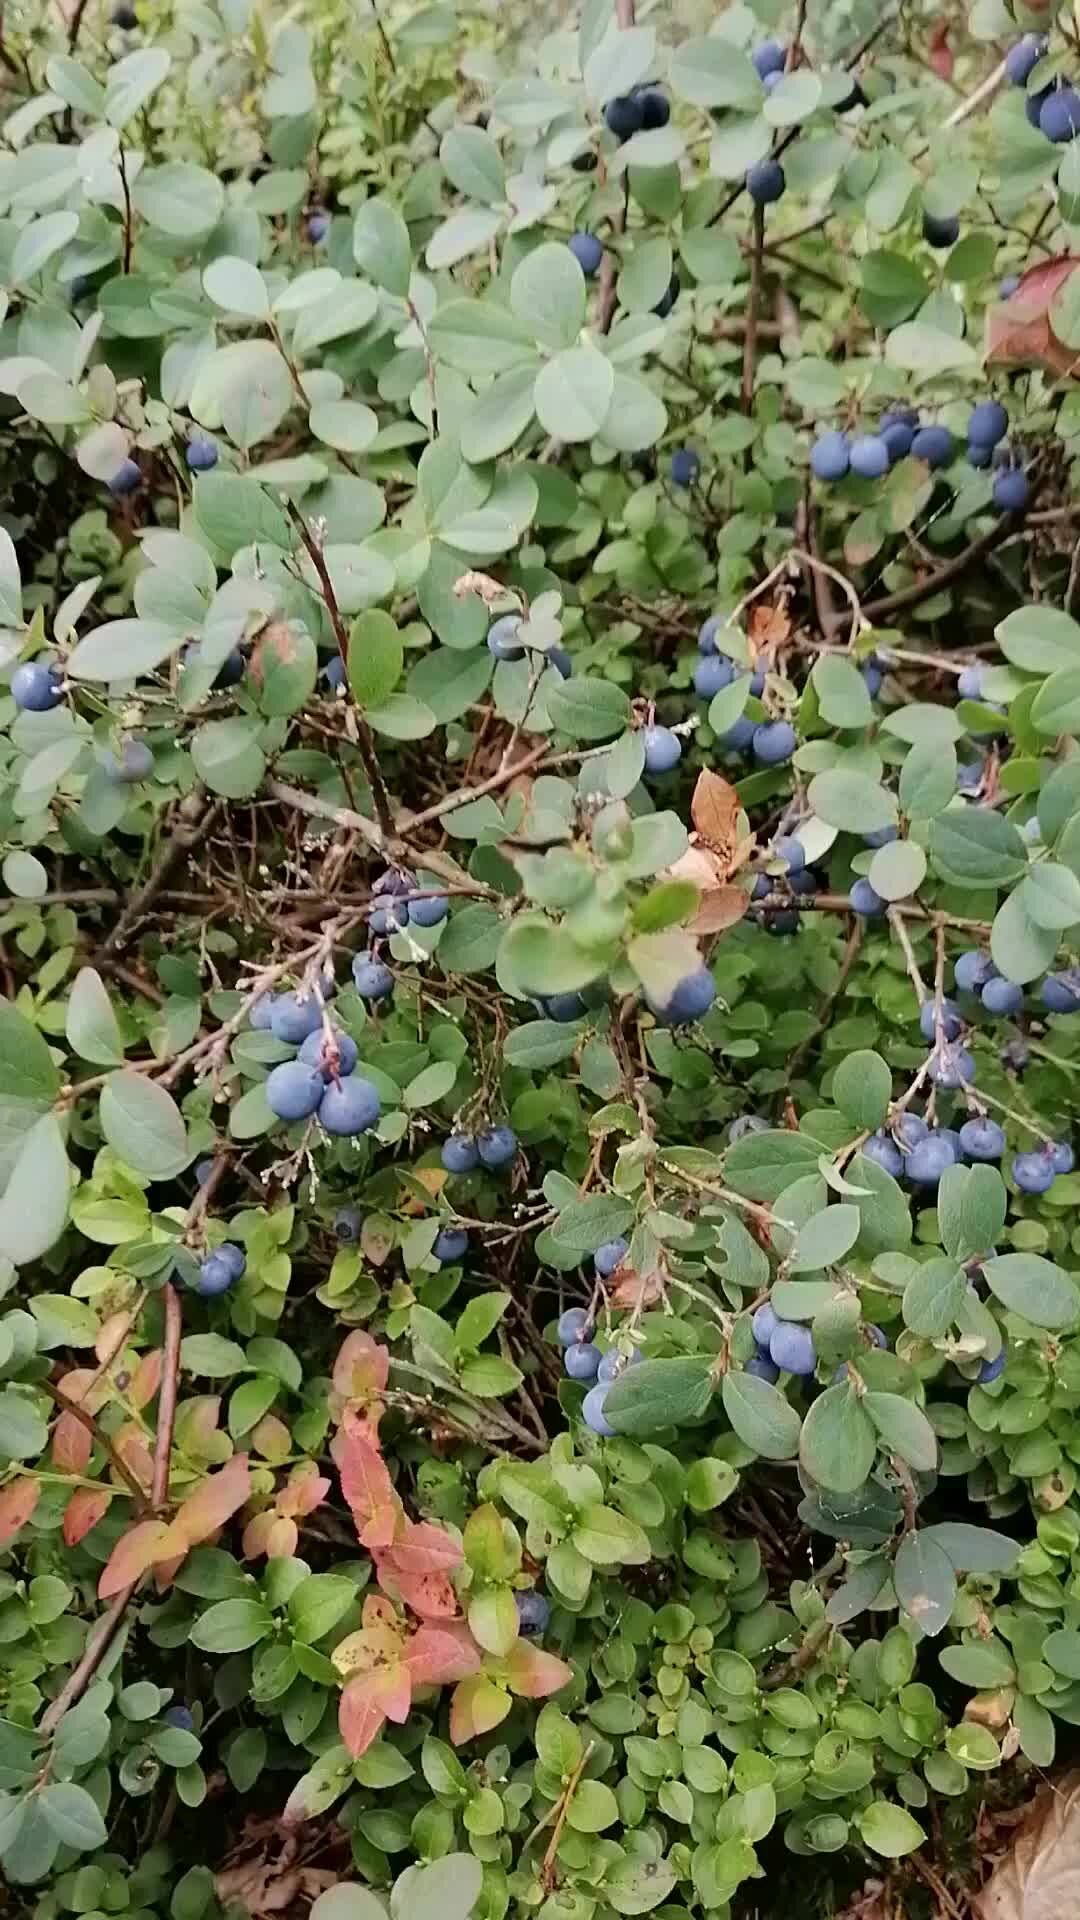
x: 416, y: 1567
x: 436, y: 1655
x: 204, y: 1511
x: 83, y: 1511
x: 1019, y: 331
x: 72, y: 1445
x: 366, y: 1484
x: 282, y: 1540
x: 368, y: 1700
x: 361, y: 1371
x: 85, y: 1389
x: 146, y: 1379
x: 532, y: 1672
x: 134, y: 1553
x: 17, y: 1503
x: 305, y: 1489
x: 940, y: 52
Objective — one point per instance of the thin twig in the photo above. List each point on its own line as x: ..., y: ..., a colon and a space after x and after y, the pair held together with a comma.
x: 547, y: 1869
x: 896, y: 922
x: 753, y: 302
x: 913, y: 596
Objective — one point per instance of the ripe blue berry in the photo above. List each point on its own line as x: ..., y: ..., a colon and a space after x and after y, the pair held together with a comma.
x: 234, y: 1258
x: 940, y: 229
x: 791, y: 1348
x: 587, y: 251
x: 869, y: 456
x: 992, y: 1370
x: 790, y: 851
x: 910, y: 1128
x: 690, y: 999
x: 934, y: 445
x: 1033, y: 1172
x: 613, y: 1363
x: 126, y: 478
x: 37, y: 686
x: 574, y: 1324
x: 293, y: 1019
x: 1011, y: 490
x: 451, y: 1244
x: 763, y: 1368
x: 685, y: 467
x: 969, y: 776
x: 609, y: 1256
x: 712, y: 674
x: 881, y: 837
x: 769, y: 56
x: 497, y: 1146
x: 884, y: 1152
x: 347, y: 1225
x: 459, y: 1153
x: 349, y: 1106
x: 969, y: 683
x: 371, y: 978
x: 663, y: 749
x: 1002, y: 997
x: 624, y: 116
x: 1023, y: 57
x: 952, y: 1020
x: 738, y: 736
x: 334, y: 673
x: 293, y: 1091
x: 973, y: 969
x: 830, y: 456
x: 1007, y: 287
x: 982, y: 1139
x: 430, y: 911
x: 988, y: 424
x: 1059, y: 116
x: 592, y: 1410
x: 215, y: 1276
x: 1061, y: 991
x: 178, y: 1716
x: 317, y: 1052
x: 261, y: 1014
x: 564, y: 1007
x: 655, y: 108
x: 764, y: 1323
x: 318, y: 226
x: 765, y: 182
x: 951, y: 1067
x: 774, y: 742
x: 389, y: 918
x: 898, y: 436
x: 533, y: 1614
x: 202, y: 454
x: 502, y: 638
x: 747, y: 1123
x: 1034, y: 104
x: 133, y: 763
x: 1062, y: 1155
x: 706, y: 640
x: 559, y: 659
x: 865, y: 900
x: 928, y: 1160
x: 582, y: 1361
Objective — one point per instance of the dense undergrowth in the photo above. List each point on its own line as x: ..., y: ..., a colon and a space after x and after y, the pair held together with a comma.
x: 540, y: 819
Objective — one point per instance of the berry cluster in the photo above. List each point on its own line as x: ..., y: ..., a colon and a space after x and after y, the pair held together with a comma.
x: 494, y: 1148
x: 836, y: 453
x: 504, y: 642
x: 221, y: 1269
x: 322, y: 1079
x: 771, y: 742
x: 638, y: 112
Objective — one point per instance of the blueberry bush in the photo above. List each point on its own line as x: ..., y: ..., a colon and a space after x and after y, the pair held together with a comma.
x: 540, y: 947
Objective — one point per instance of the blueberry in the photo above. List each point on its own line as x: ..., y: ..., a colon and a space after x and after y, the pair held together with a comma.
x: 663, y: 749
x: 1034, y: 104
x: 952, y: 1066
x: 37, y: 686
x: 1011, y: 490
x: 765, y: 182
x: 910, y: 1128
x: 988, y: 424
x: 762, y: 887
x: 878, y: 1336
x: 1059, y: 117
x: 928, y: 1160
x: 772, y: 81
x: 318, y: 226
x: 763, y: 1368
x: 202, y: 454
x: 782, y: 921
x: 178, y: 1716
x: 234, y: 1257
x: 574, y: 1324
x: 451, y: 1244
x: 865, y: 900
x: 764, y: 1323
x: 992, y: 1369
x: 934, y: 445
x: 940, y: 230
x: 884, y: 1152
x: 497, y: 1147
x: 349, y: 1106
x: 769, y: 56
x: 582, y: 1361
x: 707, y: 632
x: 1015, y: 1055
x: 459, y: 1153
x: 293, y: 1019
x: 347, y: 1225
x: 315, y: 1053
x: 609, y: 1256
x: 979, y: 457
x: 371, y: 978
x: 774, y: 742
x: 898, y: 436
x: 869, y: 456
x: 293, y: 1091
x: 830, y: 456
x: 690, y: 999
x: 952, y: 1020
x: 624, y: 116
x: 564, y: 1007
x: 655, y: 108
x: 215, y: 1276
x: 203, y: 1170
x: 261, y: 1014
x: 791, y: 1348
x: 127, y: 477
x: 1033, y: 1172
x: 685, y: 467
x: 973, y: 969
x: 1007, y: 287
x: 1061, y: 991
x: 747, y: 1123
x: 1063, y: 1157
x: 1023, y: 57
x: 881, y: 837
x: 738, y: 736
x: 982, y: 1139
x: 502, y: 638
x: 712, y: 674
x: 899, y: 417
x: 533, y: 1614
x: 790, y: 851
x: 873, y: 679
x: 587, y: 251
x: 592, y: 1411
x: 1002, y: 997
x: 969, y: 683
x: 969, y: 776
x: 133, y: 763
x: 430, y: 911
x: 127, y: 20
x: 561, y: 661
x: 389, y: 918
x: 757, y: 683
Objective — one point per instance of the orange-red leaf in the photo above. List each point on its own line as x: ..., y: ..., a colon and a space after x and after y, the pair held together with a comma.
x: 135, y: 1552
x: 362, y: 1368
x: 477, y: 1706
x: 532, y: 1672
x: 416, y: 1569
x: 370, y: 1698
x: 1020, y: 332
x: 305, y: 1489
x: 83, y: 1511
x: 72, y: 1445
x: 146, y: 1379
x: 256, y: 1536
x: 436, y: 1655
x: 85, y: 1388
x: 271, y: 1439
x: 366, y: 1484
x: 17, y: 1503
x: 282, y: 1540
x: 204, y: 1511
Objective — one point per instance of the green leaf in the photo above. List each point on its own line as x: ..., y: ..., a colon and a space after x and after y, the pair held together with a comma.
x: 925, y: 1581
x: 974, y: 1549
x: 840, y: 797
x: 39, y: 1169
x: 445, y: 1889
x: 971, y: 1204
x: 473, y: 164
x: 541, y: 1043
x: 232, y: 1625
x: 178, y: 199
x: 889, y: 1830
x: 376, y: 657
x: 1019, y: 947
x: 234, y: 511
x: 1056, y: 706
x: 976, y: 847
x: 1051, y: 896
x: 1039, y: 1291
x: 123, y: 650
x: 933, y: 1298
x: 838, y: 1444
x: 573, y: 393
x: 898, y: 869
x: 862, y: 1088
x: 381, y: 246
x: 1061, y: 1650
x: 144, y: 1125
x: 23, y: 1432
x: 586, y: 1224
x: 347, y: 425
x: 985, y: 1664
x: 928, y: 779
x: 712, y: 72
x: 227, y: 756
x: 547, y: 294
x: 903, y: 1428
x: 760, y: 1416
x: 318, y: 1603
x: 90, y: 1024
x: 236, y: 286
x: 659, y: 1393
x: 593, y: 1807
x: 842, y: 696
x: 212, y: 1355
x: 132, y: 81
x: 761, y: 1165
x: 73, y: 1815
x: 824, y: 1239
x: 1039, y: 639
x: 347, y: 1900
x: 588, y: 709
